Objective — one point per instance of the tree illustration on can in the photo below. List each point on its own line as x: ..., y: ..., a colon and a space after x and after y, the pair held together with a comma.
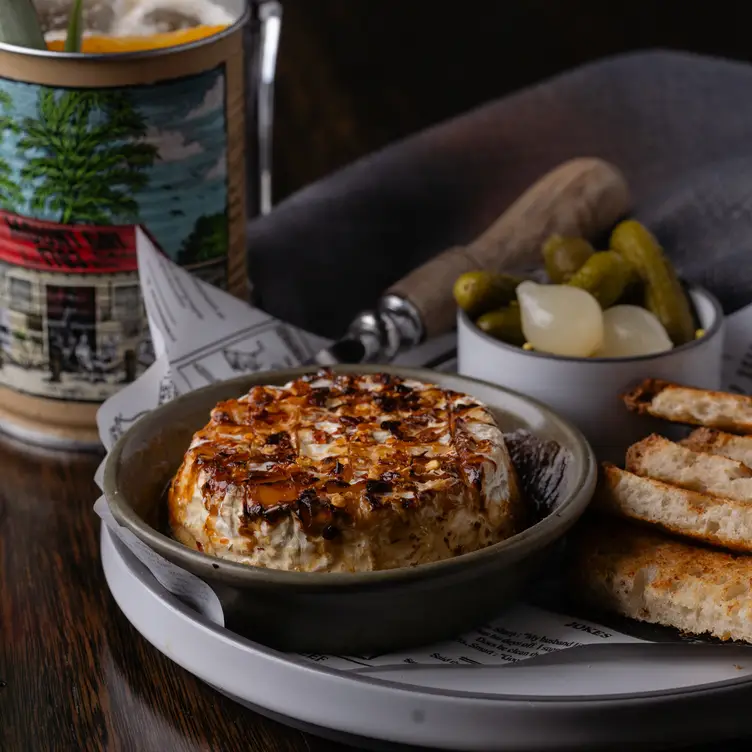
x: 93, y: 147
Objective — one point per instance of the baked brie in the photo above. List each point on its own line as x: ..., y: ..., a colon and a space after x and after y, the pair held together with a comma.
x: 346, y: 473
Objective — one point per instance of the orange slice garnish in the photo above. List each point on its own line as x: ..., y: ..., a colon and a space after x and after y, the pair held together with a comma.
x: 99, y: 45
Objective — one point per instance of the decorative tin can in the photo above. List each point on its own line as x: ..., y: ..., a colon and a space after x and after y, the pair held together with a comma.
x: 92, y: 147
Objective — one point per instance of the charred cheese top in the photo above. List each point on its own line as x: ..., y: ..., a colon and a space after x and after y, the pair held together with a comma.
x: 343, y: 472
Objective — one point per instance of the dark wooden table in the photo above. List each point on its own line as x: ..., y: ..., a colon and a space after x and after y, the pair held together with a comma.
x: 74, y: 675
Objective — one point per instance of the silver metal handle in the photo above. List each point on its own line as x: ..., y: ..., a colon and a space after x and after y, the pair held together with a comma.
x: 270, y: 25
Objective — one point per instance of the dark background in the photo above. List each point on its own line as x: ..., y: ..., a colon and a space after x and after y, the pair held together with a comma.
x: 355, y: 75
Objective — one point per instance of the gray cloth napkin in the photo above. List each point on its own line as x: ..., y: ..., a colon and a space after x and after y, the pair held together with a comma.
x: 678, y: 125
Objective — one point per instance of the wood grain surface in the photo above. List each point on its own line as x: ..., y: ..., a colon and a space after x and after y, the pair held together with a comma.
x: 74, y: 675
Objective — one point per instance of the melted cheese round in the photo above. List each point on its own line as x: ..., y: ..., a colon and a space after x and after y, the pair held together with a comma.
x: 346, y: 473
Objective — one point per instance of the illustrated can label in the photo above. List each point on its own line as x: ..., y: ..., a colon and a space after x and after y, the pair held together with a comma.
x: 156, y: 142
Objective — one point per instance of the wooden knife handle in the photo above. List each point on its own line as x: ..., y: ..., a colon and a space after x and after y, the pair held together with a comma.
x: 583, y: 197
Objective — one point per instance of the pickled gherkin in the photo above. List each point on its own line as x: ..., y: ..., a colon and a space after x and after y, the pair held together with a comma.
x: 504, y: 324
x: 664, y: 294
x: 564, y: 256
x: 606, y: 276
x: 478, y: 292
x: 685, y: 328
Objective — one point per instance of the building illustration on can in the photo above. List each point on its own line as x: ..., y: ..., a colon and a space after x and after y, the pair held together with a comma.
x: 80, y: 169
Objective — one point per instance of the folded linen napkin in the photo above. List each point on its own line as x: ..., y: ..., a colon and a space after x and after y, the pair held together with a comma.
x: 679, y: 126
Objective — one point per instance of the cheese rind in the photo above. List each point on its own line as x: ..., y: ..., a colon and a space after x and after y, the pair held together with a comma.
x: 346, y: 473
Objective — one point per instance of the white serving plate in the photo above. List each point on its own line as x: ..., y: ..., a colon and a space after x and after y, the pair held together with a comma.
x: 581, y: 706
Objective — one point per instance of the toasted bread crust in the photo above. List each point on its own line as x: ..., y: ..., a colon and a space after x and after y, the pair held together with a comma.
x: 706, y: 440
x: 641, y: 455
x: 661, y: 459
x: 709, y: 440
x: 707, y: 519
x: 639, y: 398
x: 637, y: 453
x: 627, y: 569
x: 649, y: 549
x: 691, y: 406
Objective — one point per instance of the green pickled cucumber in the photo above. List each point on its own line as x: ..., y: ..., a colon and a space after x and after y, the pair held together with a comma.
x: 606, y: 276
x: 664, y: 294
x: 478, y: 292
x: 564, y: 256
x: 504, y: 324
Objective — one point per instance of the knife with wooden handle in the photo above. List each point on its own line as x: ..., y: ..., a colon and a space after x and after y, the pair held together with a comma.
x: 583, y: 197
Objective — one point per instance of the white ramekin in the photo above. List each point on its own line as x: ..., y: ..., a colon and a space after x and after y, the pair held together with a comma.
x: 587, y: 390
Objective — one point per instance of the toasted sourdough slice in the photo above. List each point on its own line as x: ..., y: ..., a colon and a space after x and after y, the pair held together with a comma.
x: 627, y: 569
x: 690, y: 406
x: 709, y: 440
x: 710, y: 519
x: 658, y: 458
